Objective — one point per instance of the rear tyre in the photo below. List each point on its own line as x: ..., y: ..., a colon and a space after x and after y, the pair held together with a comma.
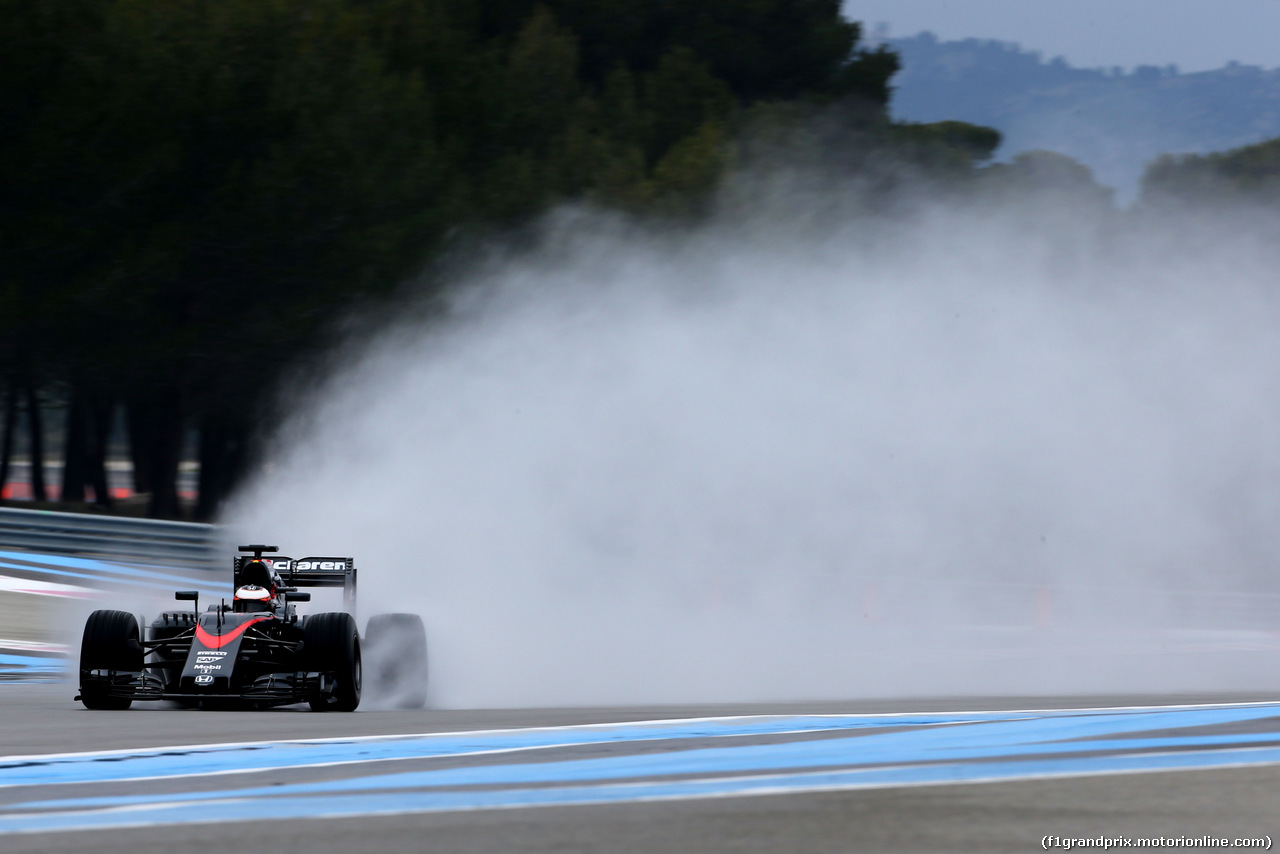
x: 396, y: 651
x: 111, y: 643
x: 331, y: 645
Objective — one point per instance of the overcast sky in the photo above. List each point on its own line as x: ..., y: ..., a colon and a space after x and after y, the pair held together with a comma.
x: 1193, y: 34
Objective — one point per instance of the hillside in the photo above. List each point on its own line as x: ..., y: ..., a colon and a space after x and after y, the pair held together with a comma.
x: 1114, y: 121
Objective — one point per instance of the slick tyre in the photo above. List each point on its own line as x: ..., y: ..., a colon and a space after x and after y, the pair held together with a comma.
x: 332, y: 646
x: 110, y: 643
x: 395, y: 651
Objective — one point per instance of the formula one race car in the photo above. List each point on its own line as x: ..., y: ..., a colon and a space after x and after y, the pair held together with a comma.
x: 257, y: 652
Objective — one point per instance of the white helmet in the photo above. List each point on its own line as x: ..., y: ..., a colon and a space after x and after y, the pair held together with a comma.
x: 252, y: 597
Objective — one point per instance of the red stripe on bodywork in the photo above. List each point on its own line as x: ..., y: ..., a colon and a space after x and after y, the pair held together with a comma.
x: 217, y: 641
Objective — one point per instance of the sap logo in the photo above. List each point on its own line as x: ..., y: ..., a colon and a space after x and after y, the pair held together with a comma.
x: 204, y: 679
x: 206, y: 658
x: 330, y: 565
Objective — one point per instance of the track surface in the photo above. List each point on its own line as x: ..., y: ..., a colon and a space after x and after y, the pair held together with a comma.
x: 440, y: 769
x: 917, y: 775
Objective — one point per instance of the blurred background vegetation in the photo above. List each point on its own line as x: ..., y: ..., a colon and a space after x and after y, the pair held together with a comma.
x: 195, y: 193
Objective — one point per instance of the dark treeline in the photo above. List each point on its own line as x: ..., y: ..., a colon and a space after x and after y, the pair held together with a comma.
x: 194, y: 193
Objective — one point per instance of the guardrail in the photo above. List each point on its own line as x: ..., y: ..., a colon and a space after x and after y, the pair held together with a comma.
x: 148, y: 541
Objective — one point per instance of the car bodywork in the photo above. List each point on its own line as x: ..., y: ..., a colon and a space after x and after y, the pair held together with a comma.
x: 262, y: 655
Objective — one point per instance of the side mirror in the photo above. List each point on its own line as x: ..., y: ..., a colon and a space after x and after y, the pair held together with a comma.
x: 187, y: 595
x: 299, y: 597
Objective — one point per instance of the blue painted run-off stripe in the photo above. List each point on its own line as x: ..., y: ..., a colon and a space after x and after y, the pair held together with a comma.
x: 263, y: 756
x: 999, y: 728
x: 112, y: 572
x: 980, y: 740
x: 30, y: 665
x: 936, y: 748
x: 167, y: 812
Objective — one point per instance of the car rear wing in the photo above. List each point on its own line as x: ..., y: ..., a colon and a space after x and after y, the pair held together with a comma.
x: 306, y: 572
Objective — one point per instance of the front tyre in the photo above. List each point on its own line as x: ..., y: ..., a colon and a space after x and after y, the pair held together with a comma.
x: 331, y: 646
x: 110, y: 658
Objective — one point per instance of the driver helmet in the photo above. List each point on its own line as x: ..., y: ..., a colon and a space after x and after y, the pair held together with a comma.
x: 252, y: 597
x: 260, y: 573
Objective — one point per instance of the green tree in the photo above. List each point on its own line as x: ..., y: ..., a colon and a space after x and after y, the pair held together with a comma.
x: 1250, y: 174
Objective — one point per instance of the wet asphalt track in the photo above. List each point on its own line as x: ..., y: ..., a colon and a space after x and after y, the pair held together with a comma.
x: 515, y: 758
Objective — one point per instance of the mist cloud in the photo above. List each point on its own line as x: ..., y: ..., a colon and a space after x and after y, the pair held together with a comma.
x: 774, y: 457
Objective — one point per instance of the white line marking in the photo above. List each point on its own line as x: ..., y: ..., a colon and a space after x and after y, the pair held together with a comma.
x: 9, y: 584
x: 35, y: 646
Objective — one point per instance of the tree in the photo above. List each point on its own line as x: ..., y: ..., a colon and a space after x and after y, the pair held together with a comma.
x: 1250, y: 173
x: 194, y: 194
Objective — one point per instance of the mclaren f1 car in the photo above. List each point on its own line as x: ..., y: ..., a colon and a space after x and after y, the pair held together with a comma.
x: 257, y: 651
